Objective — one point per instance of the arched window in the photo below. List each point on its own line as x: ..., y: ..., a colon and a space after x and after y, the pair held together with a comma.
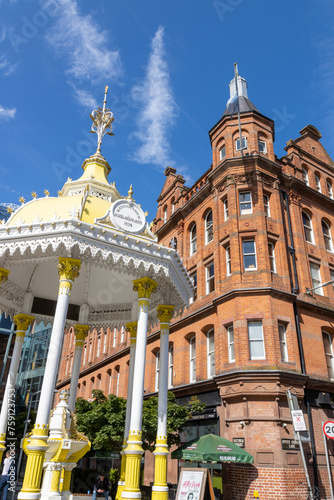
x: 308, y: 230
x: 327, y: 339
x: 317, y: 183
x: 165, y: 214
x: 211, y: 353
x: 170, y: 366
x: 330, y: 190
x: 327, y: 236
x: 222, y: 153
x: 192, y: 352
x: 208, y: 227
x: 305, y: 176
x: 173, y: 205
x: 193, y: 239
x: 117, y: 370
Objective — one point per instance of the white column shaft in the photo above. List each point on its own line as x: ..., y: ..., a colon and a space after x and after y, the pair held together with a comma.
x: 130, y: 390
x: 11, y: 380
x: 52, y: 362
x: 75, y: 374
x: 139, y: 368
x: 163, y: 381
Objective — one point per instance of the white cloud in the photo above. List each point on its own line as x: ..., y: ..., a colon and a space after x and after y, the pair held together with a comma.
x: 6, y: 68
x: 158, y: 110
x: 6, y: 113
x: 85, y: 98
x: 85, y: 46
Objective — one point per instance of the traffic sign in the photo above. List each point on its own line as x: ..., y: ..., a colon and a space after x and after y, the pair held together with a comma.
x: 298, y: 420
x: 329, y: 429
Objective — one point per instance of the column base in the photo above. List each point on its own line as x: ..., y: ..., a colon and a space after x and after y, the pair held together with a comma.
x: 159, y: 493
x: 130, y: 495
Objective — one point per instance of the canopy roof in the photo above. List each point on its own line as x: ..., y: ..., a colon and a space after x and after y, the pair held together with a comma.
x: 90, y: 221
x: 212, y: 448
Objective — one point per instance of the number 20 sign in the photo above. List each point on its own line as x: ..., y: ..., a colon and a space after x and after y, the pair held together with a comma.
x: 329, y: 429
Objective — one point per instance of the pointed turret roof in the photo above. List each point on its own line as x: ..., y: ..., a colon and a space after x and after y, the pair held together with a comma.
x: 239, y: 95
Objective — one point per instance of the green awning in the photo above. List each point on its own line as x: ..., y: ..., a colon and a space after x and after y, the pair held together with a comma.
x: 212, y: 448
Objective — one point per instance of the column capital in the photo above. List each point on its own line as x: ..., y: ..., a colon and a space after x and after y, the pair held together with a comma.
x: 81, y: 332
x: 3, y: 274
x: 165, y: 313
x: 145, y: 287
x: 68, y: 269
x: 132, y: 329
x: 22, y: 321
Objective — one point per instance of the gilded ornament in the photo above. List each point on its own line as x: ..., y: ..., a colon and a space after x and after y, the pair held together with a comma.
x: 68, y: 269
x: 46, y: 192
x: 22, y: 321
x: 145, y: 287
x: 22, y: 200
x: 3, y: 274
x: 165, y: 313
x: 10, y: 210
x: 34, y: 194
x: 102, y: 119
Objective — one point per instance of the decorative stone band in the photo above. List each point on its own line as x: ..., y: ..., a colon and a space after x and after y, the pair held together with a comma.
x: 3, y: 274
x: 165, y: 313
x: 132, y: 329
x: 81, y: 332
x: 22, y: 322
x: 68, y: 270
x: 145, y: 287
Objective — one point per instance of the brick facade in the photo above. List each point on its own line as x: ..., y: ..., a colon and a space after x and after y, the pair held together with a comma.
x: 252, y: 275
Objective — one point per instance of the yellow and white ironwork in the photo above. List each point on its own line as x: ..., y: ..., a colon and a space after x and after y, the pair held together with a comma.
x: 132, y: 328
x: 145, y: 287
x: 68, y: 270
x: 160, y: 488
x: 81, y: 332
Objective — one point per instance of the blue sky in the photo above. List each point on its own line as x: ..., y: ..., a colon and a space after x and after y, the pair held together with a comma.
x: 168, y: 66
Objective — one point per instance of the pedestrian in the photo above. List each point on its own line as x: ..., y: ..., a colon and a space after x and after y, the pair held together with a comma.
x: 5, y: 476
x: 101, y: 486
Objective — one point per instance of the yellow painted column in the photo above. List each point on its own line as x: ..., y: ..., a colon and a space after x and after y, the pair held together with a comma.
x: 134, y: 450
x: 160, y: 488
x: 7, y: 415
x: 3, y: 277
x: 132, y: 328
x: 36, y: 446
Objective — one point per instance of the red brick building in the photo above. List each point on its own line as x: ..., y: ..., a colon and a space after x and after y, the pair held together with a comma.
x: 254, y: 232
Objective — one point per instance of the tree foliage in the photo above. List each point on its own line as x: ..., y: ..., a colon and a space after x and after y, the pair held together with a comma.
x: 103, y: 419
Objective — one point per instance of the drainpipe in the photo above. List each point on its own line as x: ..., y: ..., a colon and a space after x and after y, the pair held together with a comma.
x: 295, y: 290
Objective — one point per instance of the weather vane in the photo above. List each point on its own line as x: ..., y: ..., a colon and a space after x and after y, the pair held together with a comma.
x: 102, y: 119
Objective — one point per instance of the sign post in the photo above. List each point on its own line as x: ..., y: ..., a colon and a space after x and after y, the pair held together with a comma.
x: 299, y: 426
x: 328, y: 428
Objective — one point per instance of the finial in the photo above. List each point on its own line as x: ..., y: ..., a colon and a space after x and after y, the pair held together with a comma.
x: 34, y: 194
x: 102, y: 119
x: 130, y: 193
x: 236, y: 69
x: 46, y: 192
x: 64, y: 395
x: 22, y: 200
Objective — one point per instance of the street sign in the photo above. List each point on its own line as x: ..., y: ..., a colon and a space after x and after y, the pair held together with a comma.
x: 328, y: 428
x: 298, y: 420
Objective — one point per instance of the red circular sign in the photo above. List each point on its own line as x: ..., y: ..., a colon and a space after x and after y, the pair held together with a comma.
x: 328, y: 429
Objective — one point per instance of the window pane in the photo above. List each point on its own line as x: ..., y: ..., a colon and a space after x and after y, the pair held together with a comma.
x: 250, y: 261
x: 244, y: 197
x: 255, y: 330
x: 248, y: 246
x: 256, y: 349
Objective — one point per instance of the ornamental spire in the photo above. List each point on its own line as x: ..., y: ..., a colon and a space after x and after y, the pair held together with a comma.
x: 102, y: 119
